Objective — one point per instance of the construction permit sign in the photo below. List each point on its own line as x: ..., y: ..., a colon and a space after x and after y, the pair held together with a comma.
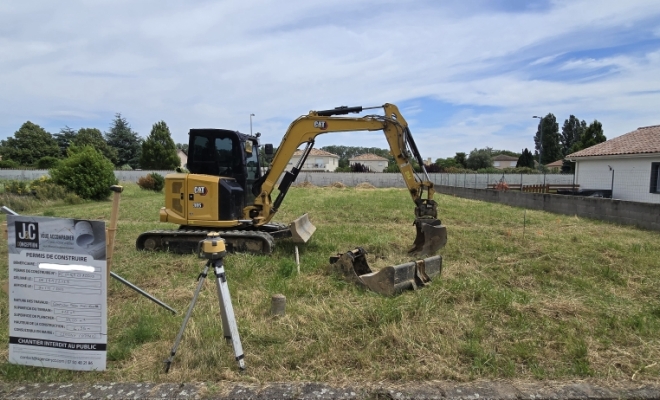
x: 57, y: 293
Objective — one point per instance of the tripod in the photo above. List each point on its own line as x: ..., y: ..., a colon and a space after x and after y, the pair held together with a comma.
x: 213, y: 249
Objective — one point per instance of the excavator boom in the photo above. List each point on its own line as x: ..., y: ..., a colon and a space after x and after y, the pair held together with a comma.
x: 431, y: 234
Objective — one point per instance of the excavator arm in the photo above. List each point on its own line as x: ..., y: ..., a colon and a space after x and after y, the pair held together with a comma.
x: 431, y: 234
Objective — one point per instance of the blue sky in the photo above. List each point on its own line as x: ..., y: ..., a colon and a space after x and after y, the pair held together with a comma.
x: 466, y: 74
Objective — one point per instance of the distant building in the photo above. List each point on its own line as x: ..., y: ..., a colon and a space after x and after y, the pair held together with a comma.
x: 503, y: 161
x: 629, y: 165
x: 555, y: 165
x: 318, y: 160
x: 183, y: 158
x: 373, y: 162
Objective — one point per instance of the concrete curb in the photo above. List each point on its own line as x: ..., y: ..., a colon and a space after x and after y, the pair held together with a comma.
x: 319, y: 391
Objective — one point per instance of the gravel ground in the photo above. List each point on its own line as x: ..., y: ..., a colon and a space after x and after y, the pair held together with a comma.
x: 319, y: 391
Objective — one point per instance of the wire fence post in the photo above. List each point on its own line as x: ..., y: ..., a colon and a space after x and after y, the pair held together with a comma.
x: 521, y: 182
x: 464, y: 179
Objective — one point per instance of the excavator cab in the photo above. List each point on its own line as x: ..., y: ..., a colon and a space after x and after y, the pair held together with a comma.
x: 226, y: 153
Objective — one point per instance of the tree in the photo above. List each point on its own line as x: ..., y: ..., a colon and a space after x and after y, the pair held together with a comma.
x: 446, y: 163
x: 93, y: 137
x: 509, y: 153
x: 64, y: 139
x: 183, y: 147
x: 551, y: 149
x: 526, y: 159
x: 480, y: 158
x: 126, y: 141
x: 159, y: 150
x: 590, y: 137
x: 571, y: 133
x: 29, y: 144
x: 461, y: 159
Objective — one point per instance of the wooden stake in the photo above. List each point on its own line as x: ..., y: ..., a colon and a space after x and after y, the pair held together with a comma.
x: 297, y: 260
x: 112, y: 230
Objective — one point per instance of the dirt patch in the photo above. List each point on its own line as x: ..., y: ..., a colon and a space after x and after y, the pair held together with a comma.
x: 337, y: 185
x: 365, y: 185
x: 305, y: 184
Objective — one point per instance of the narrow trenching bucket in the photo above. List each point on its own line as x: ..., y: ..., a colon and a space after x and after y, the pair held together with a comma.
x: 301, y: 229
x: 431, y: 237
x: 388, y: 281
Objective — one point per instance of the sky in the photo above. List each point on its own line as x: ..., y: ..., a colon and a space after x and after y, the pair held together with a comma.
x: 465, y: 74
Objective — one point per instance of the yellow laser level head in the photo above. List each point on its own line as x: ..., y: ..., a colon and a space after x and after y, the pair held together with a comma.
x: 213, y: 247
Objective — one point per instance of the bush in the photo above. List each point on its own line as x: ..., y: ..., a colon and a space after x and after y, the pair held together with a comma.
x: 357, y: 167
x: 159, y: 181
x: 8, y: 164
x: 47, y: 162
x: 126, y: 167
x: 87, y: 173
x: 17, y: 187
x: 153, y: 181
x: 45, y: 189
x: 146, y: 182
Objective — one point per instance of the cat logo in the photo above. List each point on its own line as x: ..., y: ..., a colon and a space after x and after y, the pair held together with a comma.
x: 200, y: 190
x: 198, y: 205
x: 321, y: 125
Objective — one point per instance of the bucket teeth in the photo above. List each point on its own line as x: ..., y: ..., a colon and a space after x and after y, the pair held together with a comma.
x: 431, y: 237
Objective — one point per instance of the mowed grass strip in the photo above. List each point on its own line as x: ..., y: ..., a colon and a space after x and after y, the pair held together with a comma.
x: 573, y: 298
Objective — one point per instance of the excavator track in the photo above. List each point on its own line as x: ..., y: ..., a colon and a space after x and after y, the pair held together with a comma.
x: 186, y: 240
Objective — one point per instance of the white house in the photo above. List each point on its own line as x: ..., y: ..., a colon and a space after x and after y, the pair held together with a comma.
x: 318, y: 160
x: 503, y: 161
x: 374, y: 162
x: 628, y: 165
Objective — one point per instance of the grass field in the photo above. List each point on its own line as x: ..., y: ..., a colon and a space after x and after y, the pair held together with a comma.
x: 573, y: 298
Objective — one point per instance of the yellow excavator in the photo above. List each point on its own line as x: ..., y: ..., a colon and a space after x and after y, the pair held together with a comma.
x: 227, y: 192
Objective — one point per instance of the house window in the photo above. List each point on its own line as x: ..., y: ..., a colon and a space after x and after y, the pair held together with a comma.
x: 655, y: 177
x: 496, y: 163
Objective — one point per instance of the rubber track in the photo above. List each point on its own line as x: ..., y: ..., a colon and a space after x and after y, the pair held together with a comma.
x: 184, y: 241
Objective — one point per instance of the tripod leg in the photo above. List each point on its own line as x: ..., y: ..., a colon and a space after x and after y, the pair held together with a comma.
x: 200, y: 282
x: 223, y: 313
x: 228, y: 311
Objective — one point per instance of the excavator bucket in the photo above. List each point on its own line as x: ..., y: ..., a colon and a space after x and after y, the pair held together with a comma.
x: 431, y: 237
x: 301, y: 229
x: 389, y: 281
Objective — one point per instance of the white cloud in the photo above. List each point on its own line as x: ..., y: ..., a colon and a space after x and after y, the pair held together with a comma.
x: 211, y: 64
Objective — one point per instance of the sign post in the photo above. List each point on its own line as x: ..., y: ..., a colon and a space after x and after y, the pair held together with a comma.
x: 57, y: 292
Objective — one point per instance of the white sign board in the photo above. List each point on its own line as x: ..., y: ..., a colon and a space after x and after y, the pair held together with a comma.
x: 57, y: 293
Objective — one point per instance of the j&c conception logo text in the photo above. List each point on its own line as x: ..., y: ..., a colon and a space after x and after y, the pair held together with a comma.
x: 27, y: 235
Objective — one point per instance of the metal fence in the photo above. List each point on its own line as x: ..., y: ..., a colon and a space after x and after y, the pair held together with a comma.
x: 475, y: 181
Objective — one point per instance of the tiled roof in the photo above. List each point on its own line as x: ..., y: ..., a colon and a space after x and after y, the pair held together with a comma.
x: 316, y: 152
x: 640, y: 141
x: 504, y: 157
x: 556, y: 164
x: 367, y: 157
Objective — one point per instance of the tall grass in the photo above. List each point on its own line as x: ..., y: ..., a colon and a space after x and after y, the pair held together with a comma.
x: 574, y: 298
